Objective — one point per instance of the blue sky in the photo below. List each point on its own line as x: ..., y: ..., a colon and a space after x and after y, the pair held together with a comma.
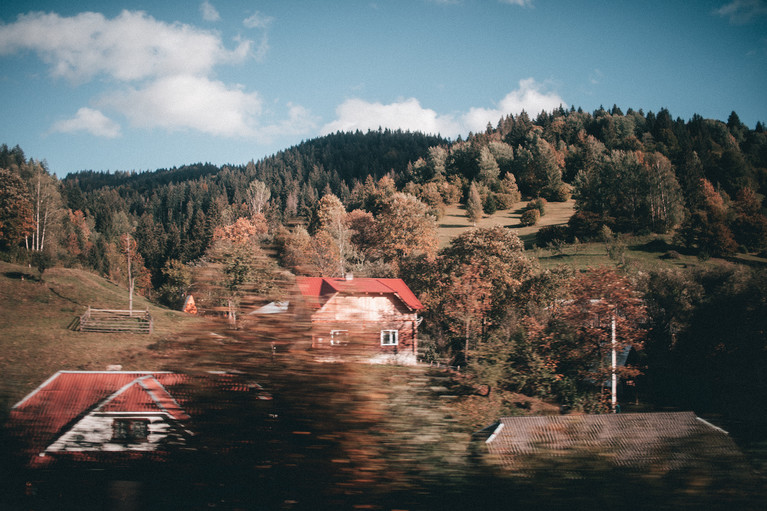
x: 137, y: 85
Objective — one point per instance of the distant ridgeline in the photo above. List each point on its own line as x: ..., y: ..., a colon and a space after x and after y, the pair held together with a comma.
x: 367, y: 204
x: 632, y: 172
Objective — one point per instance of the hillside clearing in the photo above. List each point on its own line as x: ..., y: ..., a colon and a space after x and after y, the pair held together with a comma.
x: 455, y: 221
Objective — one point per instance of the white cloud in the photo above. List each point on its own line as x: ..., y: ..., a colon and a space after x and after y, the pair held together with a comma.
x: 158, y: 75
x: 132, y: 46
x: 521, y: 3
x: 300, y: 121
x: 91, y: 121
x: 743, y: 11
x: 209, y: 13
x: 357, y: 114
x: 258, y: 20
x: 190, y: 102
x: 529, y: 97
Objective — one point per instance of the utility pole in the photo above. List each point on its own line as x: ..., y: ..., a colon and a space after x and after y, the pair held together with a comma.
x: 614, y: 368
x: 130, y: 276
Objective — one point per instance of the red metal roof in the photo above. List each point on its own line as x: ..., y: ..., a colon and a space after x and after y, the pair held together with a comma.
x: 317, y: 290
x: 68, y: 396
x: 144, y: 394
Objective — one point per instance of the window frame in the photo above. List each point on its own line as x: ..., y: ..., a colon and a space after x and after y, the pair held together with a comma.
x: 125, y: 430
x: 392, y: 334
x: 342, y: 341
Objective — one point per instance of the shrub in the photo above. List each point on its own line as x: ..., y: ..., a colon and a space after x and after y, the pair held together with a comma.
x: 562, y: 193
x: 539, y: 204
x: 490, y: 206
x: 551, y: 234
x: 530, y: 217
x: 505, y: 201
x: 587, y: 225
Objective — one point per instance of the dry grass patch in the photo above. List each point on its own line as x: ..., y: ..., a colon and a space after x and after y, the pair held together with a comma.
x: 455, y: 222
x: 36, y: 328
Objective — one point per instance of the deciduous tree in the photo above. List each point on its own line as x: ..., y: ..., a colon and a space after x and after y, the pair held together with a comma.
x: 16, y: 220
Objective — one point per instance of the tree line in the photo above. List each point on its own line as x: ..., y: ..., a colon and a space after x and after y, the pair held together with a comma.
x: 368, y: 203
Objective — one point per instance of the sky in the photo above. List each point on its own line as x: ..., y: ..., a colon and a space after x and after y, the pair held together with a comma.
x: 138, y: 85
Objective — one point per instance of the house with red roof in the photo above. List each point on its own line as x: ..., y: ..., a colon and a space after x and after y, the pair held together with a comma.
x: 83, y: 414
x: 373, y: 317
x: 111, y: 416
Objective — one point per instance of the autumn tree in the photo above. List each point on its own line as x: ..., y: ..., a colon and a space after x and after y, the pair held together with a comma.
x: 474, y: 204
x: 706, y: 228
x: 126, y: 266
x: 46, y: 205
x: 480, y: 270
x: 16, y: 216
x: 177, y: 282
x: 406, y: 228
x: 580, y: 334
x: 78, y: 236
x: 749, y: 225
x: 631, y: 190
x: 237, y: 268
x: 488, y: 167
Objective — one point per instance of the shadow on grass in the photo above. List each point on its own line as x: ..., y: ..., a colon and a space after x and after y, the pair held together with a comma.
x: 654, y: 246
x: 19, y: 275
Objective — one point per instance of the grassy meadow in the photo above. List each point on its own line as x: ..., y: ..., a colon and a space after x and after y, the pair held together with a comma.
x: 37, y: 320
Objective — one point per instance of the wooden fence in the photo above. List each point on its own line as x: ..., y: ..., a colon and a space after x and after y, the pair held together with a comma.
x: 108, y: 320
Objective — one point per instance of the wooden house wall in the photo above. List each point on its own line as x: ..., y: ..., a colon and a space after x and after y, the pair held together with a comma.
x: 364, y: 316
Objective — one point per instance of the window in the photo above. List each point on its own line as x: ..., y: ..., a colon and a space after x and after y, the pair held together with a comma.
x: 130, y: 431
x: 389, y: 337
x: 339, y: 337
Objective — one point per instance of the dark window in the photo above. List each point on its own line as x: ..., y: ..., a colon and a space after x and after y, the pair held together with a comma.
x: 130, y: 431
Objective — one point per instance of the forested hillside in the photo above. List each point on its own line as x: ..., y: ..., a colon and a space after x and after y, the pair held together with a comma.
x: 368, y: 203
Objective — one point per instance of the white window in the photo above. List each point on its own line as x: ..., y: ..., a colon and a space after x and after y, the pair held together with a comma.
x: 389, y: 337
x: 339, y: 337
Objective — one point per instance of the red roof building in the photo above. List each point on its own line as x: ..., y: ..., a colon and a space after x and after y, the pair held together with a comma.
x: 108, y: 415
x: 377, y: 316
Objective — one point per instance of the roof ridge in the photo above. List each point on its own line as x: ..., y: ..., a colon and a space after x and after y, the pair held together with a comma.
x: 119, y: 391
x: 156, y: 399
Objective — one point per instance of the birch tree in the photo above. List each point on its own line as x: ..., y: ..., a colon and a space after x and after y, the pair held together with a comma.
x: 46, y: 206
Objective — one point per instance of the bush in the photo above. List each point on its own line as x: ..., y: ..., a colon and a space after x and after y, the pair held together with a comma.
x: 539, y: 204
x: 530, y: 217
x: 560, y: 193
x: 587, y: 226
x: 505, y: 201
x: 553, y: 234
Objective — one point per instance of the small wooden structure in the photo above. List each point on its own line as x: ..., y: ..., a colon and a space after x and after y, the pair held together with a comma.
x: 109, y: 320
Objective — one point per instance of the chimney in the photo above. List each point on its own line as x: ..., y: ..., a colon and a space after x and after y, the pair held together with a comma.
x: 349, y: 276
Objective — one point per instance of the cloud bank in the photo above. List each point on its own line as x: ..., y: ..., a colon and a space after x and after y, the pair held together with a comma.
x: 408, y: 114
x: 157, y: 74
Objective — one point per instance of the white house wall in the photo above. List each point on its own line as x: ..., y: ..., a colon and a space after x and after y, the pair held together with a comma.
x: 94, y: 433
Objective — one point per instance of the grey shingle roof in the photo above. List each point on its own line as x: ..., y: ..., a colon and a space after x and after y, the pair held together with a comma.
x: 657, y: 442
